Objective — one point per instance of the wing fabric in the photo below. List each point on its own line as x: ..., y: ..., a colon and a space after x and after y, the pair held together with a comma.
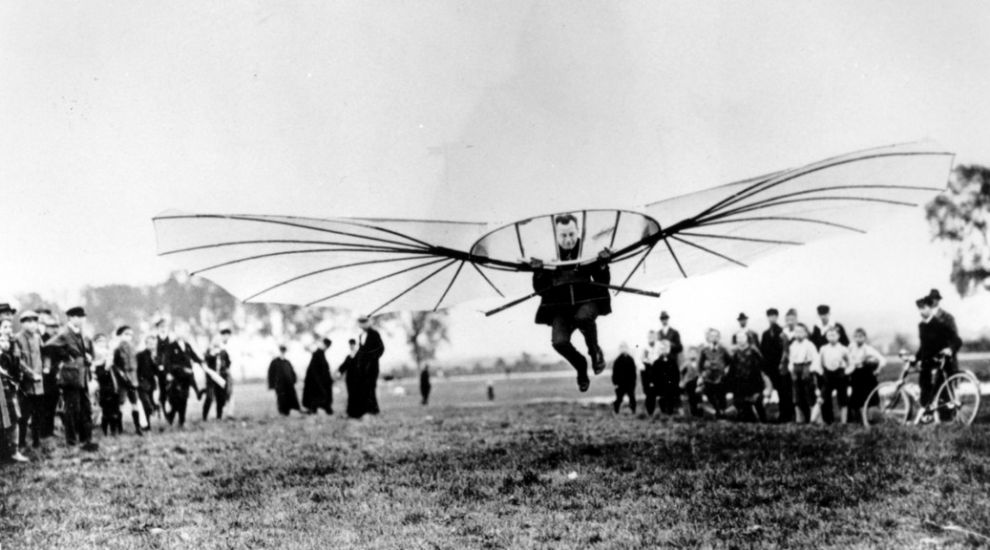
x: 737, y: 223
x: 380, y: 265
x: 367, y: 265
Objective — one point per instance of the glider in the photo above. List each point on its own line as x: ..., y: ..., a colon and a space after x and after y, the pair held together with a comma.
x: 380, y: 265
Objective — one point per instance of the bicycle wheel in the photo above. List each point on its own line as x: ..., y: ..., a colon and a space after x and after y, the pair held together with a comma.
x: 888, y: 403
x: 958, y: 399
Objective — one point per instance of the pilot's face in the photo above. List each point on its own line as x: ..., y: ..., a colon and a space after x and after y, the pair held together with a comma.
x: 567, y: 235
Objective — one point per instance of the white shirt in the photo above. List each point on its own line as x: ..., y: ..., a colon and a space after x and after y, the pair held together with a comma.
x: 802, y: 351
x: 834, y: 357
x: 858, y: 354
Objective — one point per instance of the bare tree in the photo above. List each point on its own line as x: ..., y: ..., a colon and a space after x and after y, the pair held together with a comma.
x: 959, y: 216
x: 424, y: 331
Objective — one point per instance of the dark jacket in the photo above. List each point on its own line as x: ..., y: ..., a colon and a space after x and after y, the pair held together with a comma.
x: 282, y: 379
x: 818, y: 336
x: 772, y: 346
x: 674, y: 338
x: 147, y: 371
x: 562, y: 289
x: 624, y: 371
x: 124, y: 366
x: 318, y: 384
x: 73, y: 354
x: 746, y: 370
x: 936, y: 335
x: 178, y: 360
x: 369, y: 353
x: 713, y: 364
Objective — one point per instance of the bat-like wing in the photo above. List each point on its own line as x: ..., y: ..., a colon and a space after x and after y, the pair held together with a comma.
x: 734, y: 224
x: 366, y: 265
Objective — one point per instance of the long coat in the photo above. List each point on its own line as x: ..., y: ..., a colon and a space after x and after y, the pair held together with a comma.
x: 367, y: 356
x: 124, y: 367
x: 624, y: 372
x: 562, y: 290
x: 282, y: 379
x: 352, y: 381
x: 318, y: 384
x: 935, y: 335
x: 147, y: 371
x: 31, y: 363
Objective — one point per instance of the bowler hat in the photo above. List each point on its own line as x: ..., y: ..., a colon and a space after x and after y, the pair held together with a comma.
x: 75, y: 312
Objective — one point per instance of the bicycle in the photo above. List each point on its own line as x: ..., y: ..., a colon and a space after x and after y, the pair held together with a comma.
x: 957, y: 399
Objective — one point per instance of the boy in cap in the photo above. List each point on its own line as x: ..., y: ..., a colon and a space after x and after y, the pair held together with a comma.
x: 73, y: 353
x: 825, y: 323
x: 32, y: 379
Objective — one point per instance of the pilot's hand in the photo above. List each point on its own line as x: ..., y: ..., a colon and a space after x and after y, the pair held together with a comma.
x: 605, y: 254
x: 947, y: 352
x: 536, y: 263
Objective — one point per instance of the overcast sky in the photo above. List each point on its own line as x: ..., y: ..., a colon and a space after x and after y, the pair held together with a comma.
x: 113, y: 112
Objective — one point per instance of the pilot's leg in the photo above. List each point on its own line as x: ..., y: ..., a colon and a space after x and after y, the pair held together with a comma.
x: 561, y: 338
x: 584, y: 319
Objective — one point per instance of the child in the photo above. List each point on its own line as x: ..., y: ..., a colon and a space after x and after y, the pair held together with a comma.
x: 624, y: 379
x: 864, y: 362
x: 747, y: 381
x: 108, y: 397
x: 713, y: 364
x: 649, y: 376
x: 689, y: 383
x: 802, y: 363
x: 666, y: 378
x: 834, y: 360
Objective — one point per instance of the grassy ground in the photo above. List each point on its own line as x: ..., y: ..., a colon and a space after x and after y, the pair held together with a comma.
x: 466, y: 473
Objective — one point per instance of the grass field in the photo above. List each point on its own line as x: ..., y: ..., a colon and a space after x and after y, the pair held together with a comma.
x: 469, y: 473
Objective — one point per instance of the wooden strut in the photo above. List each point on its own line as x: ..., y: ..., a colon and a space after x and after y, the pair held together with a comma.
x: 518, y: 301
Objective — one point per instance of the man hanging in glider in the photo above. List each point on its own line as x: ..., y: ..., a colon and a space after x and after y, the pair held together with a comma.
x: 574, y: 258
x: 572, y: 298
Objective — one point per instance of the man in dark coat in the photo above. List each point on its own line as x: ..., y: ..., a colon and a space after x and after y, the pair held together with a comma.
x: 218, y: 361
x: 671, y: 335
x: 624, y: 379
x: 370, y: 350
x: 318, y: 384
x: 772, y: 346
x: 424, y: 384
x: 572, y: 297
x: 282, y: 379
x: 179, y: 356
x: 945, y: 316
x: 744, y: 332
x: 939, y: 341
x: 73, y: 353
x: 352, y: 381
x: 147, y: 375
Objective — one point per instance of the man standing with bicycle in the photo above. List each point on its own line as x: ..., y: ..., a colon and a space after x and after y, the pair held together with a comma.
x: 939, y: 341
